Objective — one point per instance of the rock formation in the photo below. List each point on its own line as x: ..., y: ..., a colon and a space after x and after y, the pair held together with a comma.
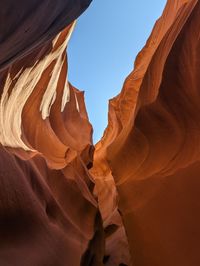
x: 133, y: 199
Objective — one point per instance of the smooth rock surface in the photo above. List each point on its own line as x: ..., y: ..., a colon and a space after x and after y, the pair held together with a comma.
x: 133, y: 199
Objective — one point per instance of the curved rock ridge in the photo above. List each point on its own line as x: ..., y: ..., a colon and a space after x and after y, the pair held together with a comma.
x: 35, y: 88
x: 151, y: 144
x: 49, y: 215
x: 133, y: 199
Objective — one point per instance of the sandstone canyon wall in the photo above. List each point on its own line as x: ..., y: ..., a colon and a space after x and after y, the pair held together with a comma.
x: 48, y: 214
x: 133, y: 199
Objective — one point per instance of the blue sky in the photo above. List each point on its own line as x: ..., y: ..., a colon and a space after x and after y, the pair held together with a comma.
x: 103, y: 48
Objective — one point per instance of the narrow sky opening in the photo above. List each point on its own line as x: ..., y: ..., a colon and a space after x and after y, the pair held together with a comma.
x: 102, y: 50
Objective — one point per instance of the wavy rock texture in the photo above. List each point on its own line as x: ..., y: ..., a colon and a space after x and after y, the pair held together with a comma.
x: 49, y: 215
x: 151, y: 145
x: 134, y: 198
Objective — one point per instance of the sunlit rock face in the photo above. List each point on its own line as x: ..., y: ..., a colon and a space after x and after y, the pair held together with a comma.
x: 48, y: 213
x: 133, y: 199
x: 152, y: 143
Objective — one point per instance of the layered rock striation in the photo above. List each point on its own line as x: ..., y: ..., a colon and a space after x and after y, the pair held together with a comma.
x: 133, y: 198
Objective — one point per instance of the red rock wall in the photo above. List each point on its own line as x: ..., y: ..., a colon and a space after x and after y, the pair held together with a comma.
x: 133, y: 199
x: 153, y: 140
x: 48, y: 213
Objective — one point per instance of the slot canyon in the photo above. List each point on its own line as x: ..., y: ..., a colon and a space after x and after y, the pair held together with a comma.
x: 132, y: 199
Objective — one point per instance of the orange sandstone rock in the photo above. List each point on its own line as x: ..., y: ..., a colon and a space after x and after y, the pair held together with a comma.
x: 134, y: 198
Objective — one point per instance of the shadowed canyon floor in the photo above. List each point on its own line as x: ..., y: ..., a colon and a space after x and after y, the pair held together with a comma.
x: 134, y: 198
